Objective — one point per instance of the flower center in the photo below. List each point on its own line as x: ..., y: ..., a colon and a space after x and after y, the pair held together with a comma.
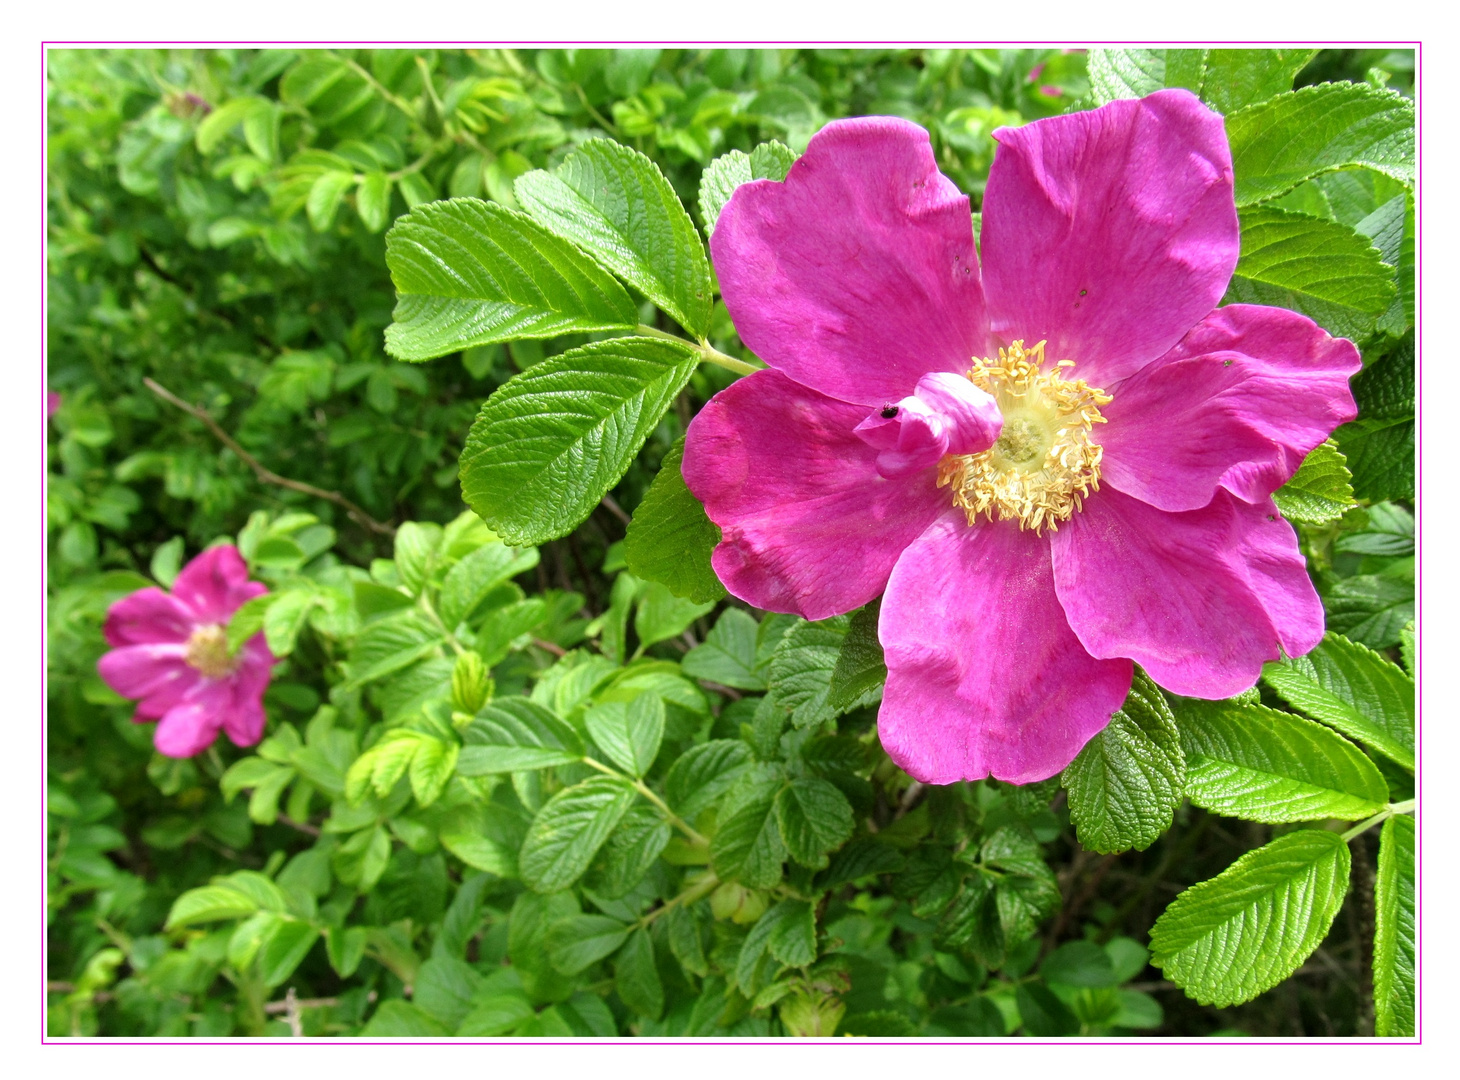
x: 207, y: 652
x: 1044, y: 461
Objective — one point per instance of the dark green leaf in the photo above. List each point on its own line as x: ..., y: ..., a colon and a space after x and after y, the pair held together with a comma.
x: 727, y: 656
x: 670, y: 539
x: 514, y: 734
x: 637, y: 978
x: 472, y: 273
x: 1226, y: 79
x: 549, y: 444
x: 703, y: 773
x: 747, y: 845
x: 614, y: 203
x: 444, y: 989
x: 1372, y: 609
x: 801, y: 670
x: 860, y: 668
x: 814, y: 818
x: 578, y: 942
x: 570, y: 829
x: 1226, y: 940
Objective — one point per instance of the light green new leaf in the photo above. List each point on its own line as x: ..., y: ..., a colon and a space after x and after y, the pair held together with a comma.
x: 472, y: 273
x: 417, y: 549
x: 1278, y: 144
x: 470, y: 580
x: 768, y: 161
x: 1259, y: 764
x: 1126, y: 783
x: 549, y: 444
x: 670, y: 538
x: 248, y: 620
x: 1226, y: 940
x: 578, y: 942
x: 431, y: 769
x: 210, y: 903
x: 727, y: 656
x: 637, y: 978
x: 514, y: 734
x: 662, y: 615
x: 1354, y: 690
x: 1394, y: 929
x: 614, y: 203
x: 1226, y: 79
x: 1320, y: 268
x: 324, y: 198
x: 286, y: 617
x: 372, y: 200
x: 860, y: 667
x: 390, y: 644
x: 814, y: 817
x: 1319, y: 491
x: 569, y: 830
x: 629, y: 733
x: 285, y: 949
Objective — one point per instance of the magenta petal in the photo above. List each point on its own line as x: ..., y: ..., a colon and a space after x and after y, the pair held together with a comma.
x: 1109, y: 233
x: 1241, y: 400
x: 147, y: 617
x: 139, y: 671
x: 809, y: 526
x: 215, y: 584
x: 984, y: 675
x: 244, y: 722
x: 187, y: 729
x: 857, y: 274
x: 1200, y: 599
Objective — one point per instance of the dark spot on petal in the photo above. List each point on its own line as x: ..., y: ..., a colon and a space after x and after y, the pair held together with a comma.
x: 1084, y: 291
x: 1226, y: 363
x: 1271, y: 517
x: 889, y: 411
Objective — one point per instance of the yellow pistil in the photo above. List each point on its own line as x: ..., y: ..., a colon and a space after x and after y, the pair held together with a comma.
x: 1045, y: 462
x: 207, y: 652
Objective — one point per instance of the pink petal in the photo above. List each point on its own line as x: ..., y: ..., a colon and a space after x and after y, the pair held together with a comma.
x: 857, y: 274
x: 984, y: 675
x: 1109, y: 233
x: 1241, y: 400
x: 244, y: 722
x: 1200, y: 599
x: 945, y: 414
x: 146, y: 617
x: 215, y: 584
x: 139, y: 671
x: 188, y: 729
x: 810, y: 528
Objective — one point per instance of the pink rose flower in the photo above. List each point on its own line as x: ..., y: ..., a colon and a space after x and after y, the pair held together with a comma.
x: 171, y: 651
x: 1116, y: 510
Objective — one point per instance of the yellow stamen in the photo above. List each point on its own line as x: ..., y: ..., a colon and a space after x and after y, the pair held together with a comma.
x: 1045, y: 462
x: 207, y: 652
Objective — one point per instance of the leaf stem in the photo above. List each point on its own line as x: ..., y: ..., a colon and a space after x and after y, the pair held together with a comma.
x: 659, y: 804
x: 707, y: 351
x: 1392, y: 810
x: 699, y: 890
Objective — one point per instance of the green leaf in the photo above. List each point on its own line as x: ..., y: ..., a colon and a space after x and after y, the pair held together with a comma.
x: 793, y: 941
x: 1372, y: 609
x: 417, y: 548
x: 662, y: 615
x: 214, y: 127
x: 1226, y: 79
x: 248, y: 620
x: 549, y: 444
x: 372, y: 200
x: 210, y: 904
x: 1079, y: 963
x: 801, y: 670
x: 324, y: 198
x: 392, y: 643
x: 728, y: 655
x: 431, y: 768
x: 747, y: 845
x: 285, y: 618
x: 703, y: 773
x: 670, y: 539
x: 1319, y: 491
x: 166, y: 562
x: 471, y: 273
x: 1394, y: 930
x: 614, y: 203
x: 768, y: 161
x: 1226, y: 940
x: 630, y: 733
x: 637, y: 978
x: 1259, y: 764
x: 1353, y: 690
x: 1126, y: 783
x: 1380, y: 444
x: 1278, y: 144
x: 285, y: 949
x: 814, y: 817
x: 401, y: 1020
x: 629, y: 853
x: 578, y: 942
x: 569, y: 830
x: 472, y: 578
x: 1320, y: 268
x: 345, y: 948
x: 860, y: 668
x: 496, y: 1015
x: 1388, y: 533
x: 513, y: 734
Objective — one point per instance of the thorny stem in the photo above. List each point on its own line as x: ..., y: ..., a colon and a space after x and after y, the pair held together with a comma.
x: 265, y: 474
x: 648, y: 793
x: 1392, y: 810
x: 707, y: 351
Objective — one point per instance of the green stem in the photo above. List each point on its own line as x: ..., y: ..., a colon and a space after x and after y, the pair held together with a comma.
x: 659, y: 804
x: 1392, y: 810
x: 707, y: 351
x: 380, y: 89
x: 700, y: 889
x: 446, y: 632
x: 601, y: 120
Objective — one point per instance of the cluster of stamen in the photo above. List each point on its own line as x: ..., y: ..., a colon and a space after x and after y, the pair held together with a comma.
x: 1044, y: 462
x: 207, y: 652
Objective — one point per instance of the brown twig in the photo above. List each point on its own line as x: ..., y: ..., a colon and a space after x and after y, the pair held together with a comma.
x: 614, y: 508
x: 302, y: 826
x: 265, y: 474
x: 552, y: 647
x: 275, y: 1007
